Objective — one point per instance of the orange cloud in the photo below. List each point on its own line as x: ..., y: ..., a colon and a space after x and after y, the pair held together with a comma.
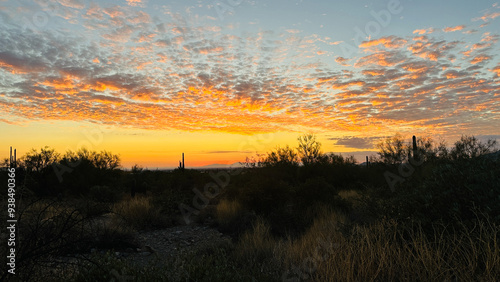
x: 348, y: 84
x: 201, y: 81
x: 72, y: 4
x: 423, y: 31
x: 451, y: 74
x: 386, y: 59
x: 114, y: 12
x: 455, y: 28
x: 341, y: 61
x: 388, y: 42
x: 135, y: 3
x: 488, y: 16
x: 372, y: 72
x: 208, y: 50
x: 415, y: 67
x: 11, y: 68
x: 421, y: 38
x: 496, y: 70
x: 479, y: 59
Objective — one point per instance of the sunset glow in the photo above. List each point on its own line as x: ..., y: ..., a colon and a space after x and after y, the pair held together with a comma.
x: 225, y: 80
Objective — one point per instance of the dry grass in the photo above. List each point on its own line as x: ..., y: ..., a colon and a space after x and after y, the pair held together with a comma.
x: 227, y: 212
x: 349, y: 194
x: 384, y: 251
x: 138, y: 212
x: 257, y: 250
x: 387, y: 251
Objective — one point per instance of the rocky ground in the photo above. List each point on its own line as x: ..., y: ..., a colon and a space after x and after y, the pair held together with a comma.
x: 152, y: 246
x: 169, y: 242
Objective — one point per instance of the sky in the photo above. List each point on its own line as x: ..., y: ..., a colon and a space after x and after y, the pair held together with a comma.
x: 229, y: 79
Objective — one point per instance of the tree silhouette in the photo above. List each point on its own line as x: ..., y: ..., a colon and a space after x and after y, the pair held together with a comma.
x: 309, y: 149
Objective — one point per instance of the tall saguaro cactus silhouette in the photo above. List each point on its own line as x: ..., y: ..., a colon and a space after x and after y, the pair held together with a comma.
x: 12, y: 159
x: 414, y: 146
x: 181, y: 163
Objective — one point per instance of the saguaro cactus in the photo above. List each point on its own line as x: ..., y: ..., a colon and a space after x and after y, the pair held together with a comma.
x: 12, y: 159
x: 181, y: 163
x: 415, y: 149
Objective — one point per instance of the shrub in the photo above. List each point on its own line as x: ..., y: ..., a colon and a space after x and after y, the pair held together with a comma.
x: 451, y: 193
x: 317, y: 190
x: 49, y: 229
x: 103, y: 193
x: 470, y: 147
x: 285, y: 156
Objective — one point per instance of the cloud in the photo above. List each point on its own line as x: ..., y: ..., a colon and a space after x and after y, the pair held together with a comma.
x: 373, y: 72
x: 471, y: 31
x: 488, y: 16
x: 419, y: 31
x: 479, y: 58
x: 341, y: 61
x: 424, y: 31
x: 132, y: 69
x: 454, y: 28
x: 431, y: 50
x: 496, y: 70
x: 383, y: 58
x: 391, y: 42
x: 77, y: 4
x: 121, y: 34
x: 356, y: 142
x: 136, y: 3
x: 487, y: 37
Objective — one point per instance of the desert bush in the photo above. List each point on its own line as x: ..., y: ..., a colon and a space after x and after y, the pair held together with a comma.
x: 470, y: 147
x: 47, y: 229
x: 103, y: 193
x: 317, y: 191
x: 450, y: 192
x: 309, y: 149
x: 285, y: 156
x: 264, y: 195
x: 394, y: 150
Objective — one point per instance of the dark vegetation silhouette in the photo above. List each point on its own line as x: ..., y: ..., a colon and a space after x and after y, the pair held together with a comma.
x: 441, y: 221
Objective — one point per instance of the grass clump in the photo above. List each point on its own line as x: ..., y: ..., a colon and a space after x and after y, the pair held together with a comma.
x: 228, y: 212
x: 138, y: 212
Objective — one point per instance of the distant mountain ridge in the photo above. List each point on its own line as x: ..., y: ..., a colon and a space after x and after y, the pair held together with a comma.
x: 234, y: 165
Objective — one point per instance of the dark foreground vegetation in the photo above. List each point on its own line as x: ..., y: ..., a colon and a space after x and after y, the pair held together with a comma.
x: 417, y: 212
